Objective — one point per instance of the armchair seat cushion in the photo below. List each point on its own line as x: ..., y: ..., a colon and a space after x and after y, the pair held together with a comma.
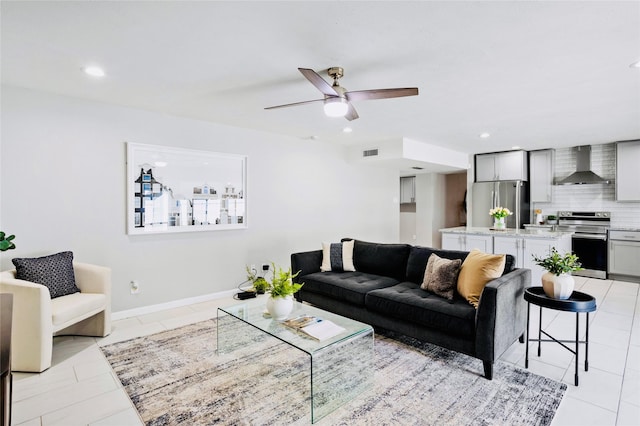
x: 67, y: 310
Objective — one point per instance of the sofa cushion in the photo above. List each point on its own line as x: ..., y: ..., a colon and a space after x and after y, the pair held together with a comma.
x: 477, y: 270
x: 54, y: 272
x: 441, y: 276
x: 419, y: 256
x: 388, y: 260
x: 348, y: 287
x: 407, y: 301
x: 337, y: 257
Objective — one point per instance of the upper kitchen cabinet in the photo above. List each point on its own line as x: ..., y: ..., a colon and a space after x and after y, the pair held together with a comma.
x: 627, y: 171
x: 407, y: 189
x: 508, y: 165
x: 541, y: 165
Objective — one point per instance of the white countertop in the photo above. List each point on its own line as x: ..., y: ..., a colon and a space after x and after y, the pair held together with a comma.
x: 624, y: 228
x: 509, y: 232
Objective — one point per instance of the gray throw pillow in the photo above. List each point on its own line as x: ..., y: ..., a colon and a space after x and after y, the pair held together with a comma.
x: 441, y: 276
x: 54, y: 271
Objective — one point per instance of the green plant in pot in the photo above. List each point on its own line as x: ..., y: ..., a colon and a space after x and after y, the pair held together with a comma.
x: 6, y: 242
x: 557, y: 282
x: 260, y: 285
x: 281, y: 289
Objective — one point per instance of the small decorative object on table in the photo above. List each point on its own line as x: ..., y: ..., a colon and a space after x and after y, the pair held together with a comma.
x: 552, y: 220
x: 558, y: 282
x: 260, y: 285
x: 498, y: 214
x: 539, y: 219
x: 282, y: 289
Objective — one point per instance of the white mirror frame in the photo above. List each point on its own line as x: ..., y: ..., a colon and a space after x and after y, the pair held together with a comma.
x: 182, y: 190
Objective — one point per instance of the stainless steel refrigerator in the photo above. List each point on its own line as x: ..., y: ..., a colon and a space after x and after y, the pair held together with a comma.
x: 513, y: 195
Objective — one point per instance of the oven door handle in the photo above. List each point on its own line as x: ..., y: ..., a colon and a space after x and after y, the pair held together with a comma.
x: 589, y: 237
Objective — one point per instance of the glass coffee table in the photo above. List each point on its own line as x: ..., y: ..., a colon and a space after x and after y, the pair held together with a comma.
x: 340, y: 367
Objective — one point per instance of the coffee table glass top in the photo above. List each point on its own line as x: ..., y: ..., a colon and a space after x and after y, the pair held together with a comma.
x: 254, y: 312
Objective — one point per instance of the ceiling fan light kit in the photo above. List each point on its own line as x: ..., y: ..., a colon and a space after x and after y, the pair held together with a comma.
x: 336, y: 107
x: 337, y: 100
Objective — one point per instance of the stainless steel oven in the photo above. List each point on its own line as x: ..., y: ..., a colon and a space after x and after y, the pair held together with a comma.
x: 589, y: 240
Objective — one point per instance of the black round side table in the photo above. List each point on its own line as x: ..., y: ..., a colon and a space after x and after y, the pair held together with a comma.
x: 578, y: 302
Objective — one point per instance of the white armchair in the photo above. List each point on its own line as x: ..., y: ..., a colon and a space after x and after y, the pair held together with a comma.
x: 37, y: 317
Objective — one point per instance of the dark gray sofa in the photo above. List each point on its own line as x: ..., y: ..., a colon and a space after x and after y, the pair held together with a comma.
x: 385, y: 292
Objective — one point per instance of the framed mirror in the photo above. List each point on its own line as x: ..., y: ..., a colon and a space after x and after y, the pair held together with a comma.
x: 183, y: 190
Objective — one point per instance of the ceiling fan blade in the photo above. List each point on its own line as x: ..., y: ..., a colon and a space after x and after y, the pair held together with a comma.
x: 295, y: 104
x: 351, y: 113
x: 319, y: 82
x: 361, y: 95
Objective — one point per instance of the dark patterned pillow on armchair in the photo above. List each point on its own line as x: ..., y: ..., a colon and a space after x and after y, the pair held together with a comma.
x: 54, y: 271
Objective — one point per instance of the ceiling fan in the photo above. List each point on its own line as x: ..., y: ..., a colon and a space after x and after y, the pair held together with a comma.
x: 337, y: 99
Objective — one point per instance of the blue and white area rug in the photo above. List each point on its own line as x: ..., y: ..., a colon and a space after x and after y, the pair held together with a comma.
x: 177, y: 378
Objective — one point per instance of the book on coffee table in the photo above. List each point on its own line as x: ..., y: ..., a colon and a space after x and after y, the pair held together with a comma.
x: 314, y: 327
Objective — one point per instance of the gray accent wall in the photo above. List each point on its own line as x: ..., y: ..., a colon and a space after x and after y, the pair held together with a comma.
x: 63, y: 188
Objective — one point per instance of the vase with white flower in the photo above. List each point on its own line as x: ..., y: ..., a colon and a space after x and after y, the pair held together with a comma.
x: 499, y: 214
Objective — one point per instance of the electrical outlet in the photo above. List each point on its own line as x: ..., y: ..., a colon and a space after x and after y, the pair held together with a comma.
x: 253, y: 268
x: 134, y: 287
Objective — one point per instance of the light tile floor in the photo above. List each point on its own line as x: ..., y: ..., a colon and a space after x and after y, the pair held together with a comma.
x: 81, y: 389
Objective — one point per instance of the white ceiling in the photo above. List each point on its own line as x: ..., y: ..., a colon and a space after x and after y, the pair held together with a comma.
x: 534, y: 74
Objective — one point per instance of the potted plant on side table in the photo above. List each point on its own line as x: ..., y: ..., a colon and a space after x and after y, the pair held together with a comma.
x: 557, y: 282
x: 282, y: 288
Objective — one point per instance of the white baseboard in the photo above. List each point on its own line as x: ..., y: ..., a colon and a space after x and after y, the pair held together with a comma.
x: 143, y: 310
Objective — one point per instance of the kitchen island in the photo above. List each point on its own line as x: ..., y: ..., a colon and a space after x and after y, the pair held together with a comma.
x: 523, y: 244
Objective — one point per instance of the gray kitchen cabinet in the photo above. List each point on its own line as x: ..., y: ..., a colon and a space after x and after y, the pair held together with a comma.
x: 541, y: 167
x: 508, y: 165
x: 408, y: 189
x: 624, y: 253
x: 627, y: 171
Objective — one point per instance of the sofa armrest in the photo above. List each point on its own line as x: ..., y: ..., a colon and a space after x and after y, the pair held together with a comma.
x: 306, y: 262
x: 501, y: 315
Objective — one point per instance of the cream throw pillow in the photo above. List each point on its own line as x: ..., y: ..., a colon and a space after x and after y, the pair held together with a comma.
x: 337, y: 257
x: 477, y: 270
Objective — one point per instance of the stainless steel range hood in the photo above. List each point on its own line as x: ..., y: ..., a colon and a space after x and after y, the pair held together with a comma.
x: 583, y: 174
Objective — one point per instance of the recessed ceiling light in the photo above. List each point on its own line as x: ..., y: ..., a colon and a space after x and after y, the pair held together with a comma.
x: 94, y: 71
x: 347, y: 130
x: 636, y: 64
x: 484, y: 135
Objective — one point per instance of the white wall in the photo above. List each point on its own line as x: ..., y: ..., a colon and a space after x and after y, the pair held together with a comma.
x: 63, y: 184
x: 430, y: 214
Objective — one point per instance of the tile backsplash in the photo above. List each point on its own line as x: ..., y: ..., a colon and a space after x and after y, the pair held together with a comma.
x: 590, y: 197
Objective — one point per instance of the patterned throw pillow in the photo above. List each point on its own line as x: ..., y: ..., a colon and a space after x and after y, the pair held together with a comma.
x: 441, y: 276
x: 54, y: 271
x: 337, y: 257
